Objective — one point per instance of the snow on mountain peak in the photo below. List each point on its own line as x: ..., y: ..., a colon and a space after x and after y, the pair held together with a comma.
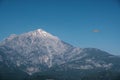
x: 41, y: 33
x: 34, y: 48
x: 40, y: 30
x: 36, y: 38
x: 38, y: 51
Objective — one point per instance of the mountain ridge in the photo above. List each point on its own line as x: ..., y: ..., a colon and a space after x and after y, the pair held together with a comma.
x: 40, y: 52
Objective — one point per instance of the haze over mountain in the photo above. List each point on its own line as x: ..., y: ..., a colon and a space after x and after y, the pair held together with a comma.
x: 39, y: 53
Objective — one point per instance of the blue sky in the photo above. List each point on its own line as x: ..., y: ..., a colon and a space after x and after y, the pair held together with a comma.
x: 82, y: 23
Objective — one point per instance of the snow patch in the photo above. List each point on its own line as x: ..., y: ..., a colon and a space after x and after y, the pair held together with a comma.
x: 99, y: 63
x: 31, y: 70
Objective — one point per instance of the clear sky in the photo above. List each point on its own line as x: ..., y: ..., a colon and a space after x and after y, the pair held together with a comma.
x: 82, y: 23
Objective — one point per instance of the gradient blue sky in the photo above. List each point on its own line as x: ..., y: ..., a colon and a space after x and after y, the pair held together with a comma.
x: 82, y: 23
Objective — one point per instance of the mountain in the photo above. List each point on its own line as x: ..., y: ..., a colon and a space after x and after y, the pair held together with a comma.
x: 33, y: 51
x: 39, y: 55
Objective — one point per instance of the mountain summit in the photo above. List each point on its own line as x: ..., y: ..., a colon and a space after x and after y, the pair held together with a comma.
x: 39, y: 52
x: 41, y: 33
x: 33, y: 48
